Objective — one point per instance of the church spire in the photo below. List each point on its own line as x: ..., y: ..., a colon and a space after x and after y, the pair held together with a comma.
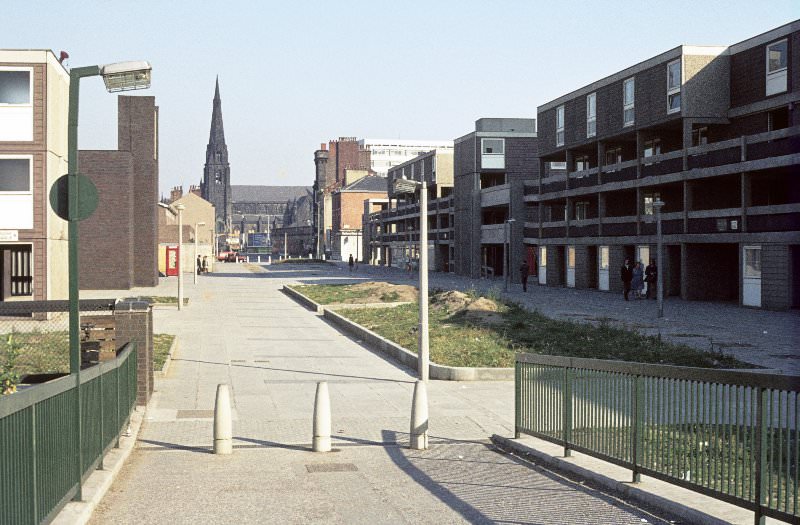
x: 217, y: 135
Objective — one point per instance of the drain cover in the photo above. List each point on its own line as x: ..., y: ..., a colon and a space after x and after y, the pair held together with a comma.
x: 331, y: 467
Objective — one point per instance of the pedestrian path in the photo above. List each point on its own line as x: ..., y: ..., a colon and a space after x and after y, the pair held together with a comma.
x: 241, y: 330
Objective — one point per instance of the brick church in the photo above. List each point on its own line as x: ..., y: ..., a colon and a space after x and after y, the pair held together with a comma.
x: 243, y: 209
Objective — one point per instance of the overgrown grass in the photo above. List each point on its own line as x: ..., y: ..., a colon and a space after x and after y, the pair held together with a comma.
x: 459, y: 341
x: 161, y: 345
x: 165, y: 299
x: 341, y: 293
x: 301, y: 261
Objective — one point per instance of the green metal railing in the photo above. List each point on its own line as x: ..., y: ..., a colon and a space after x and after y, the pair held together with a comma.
x: 732, y: 435
x: 39, y: 455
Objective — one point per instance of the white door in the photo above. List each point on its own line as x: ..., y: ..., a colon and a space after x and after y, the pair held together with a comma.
x: 751, y: 276
x: 643, y: 255
x: 602, y: 268
x: 543, y: 265
x: 570, y: 266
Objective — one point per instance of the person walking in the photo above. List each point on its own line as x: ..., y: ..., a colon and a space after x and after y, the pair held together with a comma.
x: 637, y: 281
x: 351, y: 262
x: 205, y: 264
x: 626, y: 274
x: 651, y: 278
x: 199, y: 265
x: 524, y: 270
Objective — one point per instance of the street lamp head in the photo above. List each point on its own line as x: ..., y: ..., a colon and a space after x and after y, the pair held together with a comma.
x: 201, y: 223
x: 125, y: 76
x: 180, y: 207
x: 511, y: 220
x: 658, y: 204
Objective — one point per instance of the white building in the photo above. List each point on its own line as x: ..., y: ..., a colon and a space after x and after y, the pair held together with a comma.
x: 386, y: 153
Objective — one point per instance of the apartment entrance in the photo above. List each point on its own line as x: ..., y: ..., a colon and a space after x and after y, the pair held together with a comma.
x: 492, y: 260
x: 570, y: 267
x: 712, y: 272
x: 602, y: 268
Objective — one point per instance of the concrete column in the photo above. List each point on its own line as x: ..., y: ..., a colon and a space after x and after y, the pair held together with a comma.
x: 601, y: 157
x: 687, y: 201
x: 601, y: 212
x: 639, y: 144
x: 745, y: 183
x: 685, y: 277
x: 134, y: 324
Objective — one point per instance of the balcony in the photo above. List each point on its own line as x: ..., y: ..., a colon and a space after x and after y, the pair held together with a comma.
x: 619, y: 172
x: 579, y: 179
x: 554, y: 229
x: 671, y: 223
x: 783, y: 217
x: 555, y: 183
x: 671, y: 162
x: 616, y: 226
x: 493, y: 233
x: 584, y: 228
x: 496, y: 196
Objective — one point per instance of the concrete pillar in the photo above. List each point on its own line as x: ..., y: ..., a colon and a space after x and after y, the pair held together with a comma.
x: 321, y: 441
x: 685, y: 277
x: 418, y: 435
x: 745, y: 182
x: 133, y: 321
x: 223, y: 425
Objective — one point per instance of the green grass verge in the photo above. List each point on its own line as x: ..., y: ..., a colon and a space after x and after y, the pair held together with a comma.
x: 161, y: 345
x: 165, y: 299
x: 341, y: 293
x: 458, y: 341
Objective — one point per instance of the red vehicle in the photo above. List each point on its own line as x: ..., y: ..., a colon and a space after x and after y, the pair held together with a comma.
x: 234, y: 257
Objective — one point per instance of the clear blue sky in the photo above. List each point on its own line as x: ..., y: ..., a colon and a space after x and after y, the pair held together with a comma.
x: 294, y: 74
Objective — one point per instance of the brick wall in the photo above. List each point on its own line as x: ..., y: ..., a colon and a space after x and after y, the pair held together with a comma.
x: 106, y: 238
x: 775, y: 277
x: 134, y: 324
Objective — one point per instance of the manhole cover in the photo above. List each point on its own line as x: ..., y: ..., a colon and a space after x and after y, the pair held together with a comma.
x: 195, y: 414
x: 331, y: 467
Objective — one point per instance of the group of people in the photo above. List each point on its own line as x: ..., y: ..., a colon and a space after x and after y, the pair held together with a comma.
x: 641, y: 281
x: 202, y: 264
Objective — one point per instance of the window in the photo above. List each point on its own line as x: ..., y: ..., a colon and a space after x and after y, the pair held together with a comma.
x: 21, y: 277
x: 777, y: 61
x: 613, y: 156
x: 15, y: 87
x: 15, y: 175
x: 493, y: 146
x: 700, y: 136
x: 571, y: 257
x: 752, y: 262
x: 604, y: 258
x: 674, y: 86
x: 627, y: 102
x: 652, y: 147
x: 591, y: 115
x: 649, y: 199
x: 581, y: 210
x: 560, y: 126
x: 581, y: 162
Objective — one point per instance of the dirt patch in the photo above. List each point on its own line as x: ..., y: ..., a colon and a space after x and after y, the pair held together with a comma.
x: 451, y: 301
x: 480, y: 311
x: 376, y: 292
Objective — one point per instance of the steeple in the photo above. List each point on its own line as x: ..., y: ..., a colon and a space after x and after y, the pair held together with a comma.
x: 216, y: 185
x: 217, y: 134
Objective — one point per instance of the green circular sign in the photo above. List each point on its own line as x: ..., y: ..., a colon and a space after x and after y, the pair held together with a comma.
x: 87, y: 197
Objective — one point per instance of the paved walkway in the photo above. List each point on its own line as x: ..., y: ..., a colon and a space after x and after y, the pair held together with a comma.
x: 764, y: 338
x: 239, y: 329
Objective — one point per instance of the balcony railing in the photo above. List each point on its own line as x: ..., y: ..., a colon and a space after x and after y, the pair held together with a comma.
x: 496, y: 195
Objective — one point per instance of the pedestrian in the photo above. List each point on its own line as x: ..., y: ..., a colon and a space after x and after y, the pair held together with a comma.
x: 626, y: 274
x: 205, y: 264
x: 637, y: 280
x: 199, y: 265
x: 651, y: 277
x: 524, y: 270
x: 351, y: 262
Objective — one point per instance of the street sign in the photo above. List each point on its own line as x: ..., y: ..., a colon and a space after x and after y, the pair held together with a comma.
x: 87, y: 197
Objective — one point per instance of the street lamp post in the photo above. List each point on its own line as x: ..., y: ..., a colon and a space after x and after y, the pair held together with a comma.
x: 507, y: 252
x: 180, y: 208
x: 657, y: 205
x: 121, y: 76
x: 196, y: 229
x: 408, y: 186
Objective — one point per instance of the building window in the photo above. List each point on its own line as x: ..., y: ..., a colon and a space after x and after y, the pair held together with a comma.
x: 674, y: 86
x: 581, y: 210
x: 493, y: 146
x: 613, y: 156
x: 493, y: 153
x: 777, y: 61
x: 628, y: 113
x: 21, y: 277
x: 15, y: 87
x: 591, y: 115
x: 604, y: 258
x: 700, y: 136
x: 649, y: 199
x: 560, y: 126
x: 15, y: 175
x: 581, y: 162
x: 651, y: 148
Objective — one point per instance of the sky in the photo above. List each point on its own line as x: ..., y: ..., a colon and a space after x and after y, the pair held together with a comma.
x: 294, y: 74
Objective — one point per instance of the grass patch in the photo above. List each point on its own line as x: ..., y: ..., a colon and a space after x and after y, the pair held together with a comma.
x: 357, y: 293
x: 461, y: 339
x: 302, y: 261
x: 164, y: 299
x: 161, y: 345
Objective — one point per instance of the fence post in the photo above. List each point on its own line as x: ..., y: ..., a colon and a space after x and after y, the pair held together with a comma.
x: 34, y: 481
x: 567, y: 419
x: 134, y: 323
x: 761, y: 455
x: 517, y: 399
x: 118, y: 421
x: 102, y: 423
x: 637, y: 434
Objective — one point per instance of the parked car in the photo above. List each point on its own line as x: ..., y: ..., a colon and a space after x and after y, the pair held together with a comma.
x: 235, y: 257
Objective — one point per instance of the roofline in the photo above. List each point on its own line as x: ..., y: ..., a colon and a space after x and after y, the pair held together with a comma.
x: 765, y: 37
x: 431, y: 153
x: 496, y: 134
x: 50, y: 51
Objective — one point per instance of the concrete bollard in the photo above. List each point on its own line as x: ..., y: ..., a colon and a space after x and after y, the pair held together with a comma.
x: 309, y: 256
x: 223, y: 428
x: 419, y: 417
x: 322, y: 419
x: 269, y: 259
x: 259, y: 259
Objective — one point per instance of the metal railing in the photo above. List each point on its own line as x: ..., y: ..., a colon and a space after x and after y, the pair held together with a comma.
x: 732, y: 435
x: 41, y: 465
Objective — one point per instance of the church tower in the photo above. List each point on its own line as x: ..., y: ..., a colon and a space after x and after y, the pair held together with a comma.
x: 216, y: 185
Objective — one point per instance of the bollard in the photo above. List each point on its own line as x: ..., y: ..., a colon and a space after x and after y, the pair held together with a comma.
x: 259, y: 259
x: 419, y: 417
x: 322, y: 419
x: 309, y: 256
x: 223, y: 429
x: 269, y: 259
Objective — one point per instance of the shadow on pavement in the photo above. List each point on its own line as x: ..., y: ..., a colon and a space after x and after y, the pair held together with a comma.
x: 296, y: 371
